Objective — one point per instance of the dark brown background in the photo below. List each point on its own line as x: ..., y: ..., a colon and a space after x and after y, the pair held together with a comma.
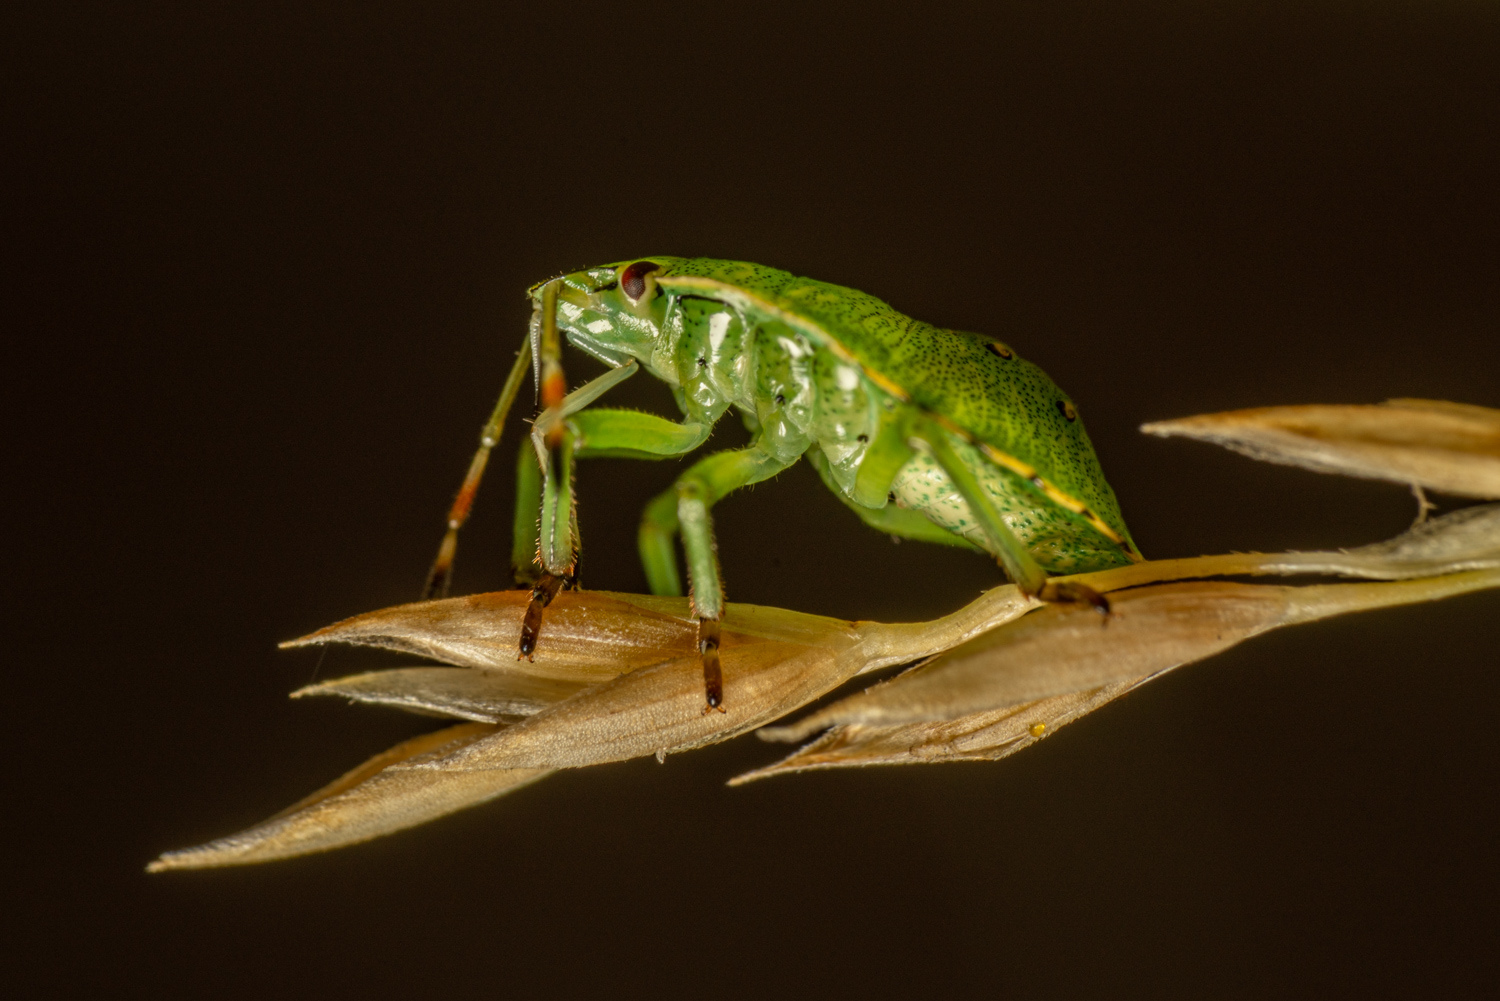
x: 266, y: 272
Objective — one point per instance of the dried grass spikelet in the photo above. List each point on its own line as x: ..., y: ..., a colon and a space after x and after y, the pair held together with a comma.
x: 606, y: 636
x: 456, y: 692
x: 1157, y: 624
x: 615, y: 677
x: 1453, y: 448
x: 984, y: 736
x: 589, y: 642
x: 1007, y: 689
x: 372, y: 800
x: 618, y: 676
x: 646, y: 693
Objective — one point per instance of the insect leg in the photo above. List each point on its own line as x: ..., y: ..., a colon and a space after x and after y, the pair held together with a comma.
x: 596, y: 433
x: 1020, y: 566
x: 552, y: 437
x: 523, y: 551
x: 695, y: 492
x: 441, y: 574
x: 654, y: 543
x: 890, y: 520
x: 631, y: 435
x: 557, y: 541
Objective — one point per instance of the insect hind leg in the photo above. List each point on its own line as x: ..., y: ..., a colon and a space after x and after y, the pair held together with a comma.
x: 553, y: 439
x: 890, y: 520
x: 1019, y: 565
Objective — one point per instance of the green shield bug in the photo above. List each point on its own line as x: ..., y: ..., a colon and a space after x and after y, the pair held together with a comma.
x: 929, y: 434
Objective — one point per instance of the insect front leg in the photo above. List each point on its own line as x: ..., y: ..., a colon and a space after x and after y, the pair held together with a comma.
x: 553, y: 437
x: 557, y: 536
x: 684, y: 509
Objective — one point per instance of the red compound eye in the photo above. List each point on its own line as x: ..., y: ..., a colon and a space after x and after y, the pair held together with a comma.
x: 633, y: 280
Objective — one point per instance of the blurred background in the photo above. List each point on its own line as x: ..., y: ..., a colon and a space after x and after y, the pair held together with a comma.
x: 266, y: 272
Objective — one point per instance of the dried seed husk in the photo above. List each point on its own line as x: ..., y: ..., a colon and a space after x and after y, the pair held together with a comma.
x: 985, y: 736
x: 374, y: 799
x: 484, y: 696
x: 773, y: 660
x: 1064, y: 648
x: 651, y: 698
x: 642, y: 662
x: 660, y: 709
x: 1453, y: 448
x: 1061, y: 649
x: 1467, y: 539
x: 587, y: 637
x: 594, y: 635
x: 642, y: 654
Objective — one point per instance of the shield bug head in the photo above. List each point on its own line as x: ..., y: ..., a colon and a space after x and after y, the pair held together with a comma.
x: 613, y: 310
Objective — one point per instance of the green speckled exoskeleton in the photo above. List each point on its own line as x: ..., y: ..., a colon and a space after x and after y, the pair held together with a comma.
x: 925, y: 433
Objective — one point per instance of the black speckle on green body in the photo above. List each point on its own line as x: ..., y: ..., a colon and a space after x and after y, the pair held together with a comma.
x: 817, y: 365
